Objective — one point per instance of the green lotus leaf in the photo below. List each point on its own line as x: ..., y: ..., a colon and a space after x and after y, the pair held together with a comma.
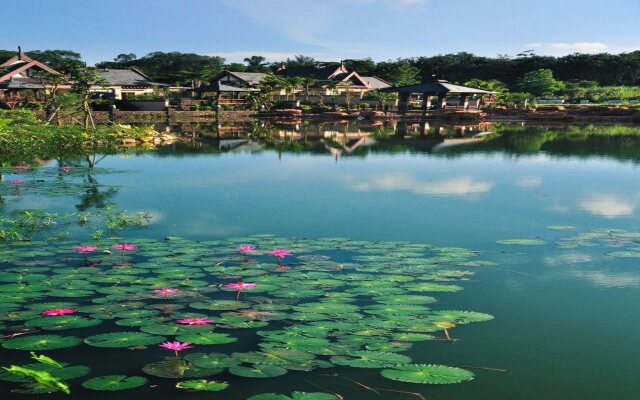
x: 114, y: 382
x: 521, y: 242
x: 62, y: 322
x: 136, y: 313
x: 226, y: 305
x: 394, y: 346
x: 175, y: 368
x: 258, y: 371
x: 142, y: 321
x: 426, y: 373
x: 404, y: 299
x: 211, y: 360
x: 275, y: 356
x: 295, y: 396
x: 206, y: 338
x: 123, y: 339
x: 460, y: 317
x: 65, y: 372
x: 41, y: 342
x: 326, y: 308
x: 412, y: 337
x: 432, y: 287
x: 370, y: 359
x: 234, y: 322
x: 202, y: 385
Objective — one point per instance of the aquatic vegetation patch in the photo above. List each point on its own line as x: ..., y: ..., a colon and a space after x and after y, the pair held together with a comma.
x: 254, y: 307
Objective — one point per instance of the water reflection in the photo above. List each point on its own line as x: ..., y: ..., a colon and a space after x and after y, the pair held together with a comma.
x: 399, y: 181
x: 608, y: 205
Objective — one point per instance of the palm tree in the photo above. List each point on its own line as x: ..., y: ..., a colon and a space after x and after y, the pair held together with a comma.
x: 291, y: 83
x: 333, y: 86
x: 307, y: 81
x: 382, y: 97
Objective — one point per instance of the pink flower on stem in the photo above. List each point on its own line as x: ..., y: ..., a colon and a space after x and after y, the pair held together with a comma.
x: 245, y: 248
x: 195, y: 321
x: 66, y: 168
x: 166, y: 292
x: 58, y: 311
x: 176, y: 346
x: 125, y: 247
x: 280, y: 253
x: 22, y: 167
x: 84, y: 250
x: 16, y: 182
x: 239, y: 286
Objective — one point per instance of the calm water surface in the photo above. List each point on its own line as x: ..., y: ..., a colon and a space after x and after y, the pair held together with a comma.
x: 566, y: 320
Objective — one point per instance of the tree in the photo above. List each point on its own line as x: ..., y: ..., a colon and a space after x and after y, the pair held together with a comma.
x: 84, y: 79
x: 382, y: 97
x: 307, y: 82
x: 291, y: 83
x: 61, y: 60
x: 300, y: 61
x: 125, y: 58
x: 398, y: 72
x: 256, y: 64
x: 540, y: 83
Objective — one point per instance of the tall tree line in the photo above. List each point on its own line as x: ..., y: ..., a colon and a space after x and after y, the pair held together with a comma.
x: 180, y: 68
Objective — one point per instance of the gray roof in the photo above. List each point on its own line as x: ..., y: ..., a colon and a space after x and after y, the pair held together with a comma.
x: 252, y: 78
x: 220, y: 87
x: 435, y: 86
x: 126, y: 77
x: 375, y: 83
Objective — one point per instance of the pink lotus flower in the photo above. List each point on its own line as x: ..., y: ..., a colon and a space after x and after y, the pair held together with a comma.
x: 239, y: 286
x: 245, y: 248
x: 124, y: 247
x: 176, y: 346
x: 84, y: 250
x: 58, y: 311
x: 66, y: 168
x: 280, y: 253
x: 195, y: 321
x: 166, y: 292
x: 22, y: 167
x: 16, y: 181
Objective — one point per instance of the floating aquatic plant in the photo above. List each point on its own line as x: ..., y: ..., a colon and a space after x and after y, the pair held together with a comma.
x: 240, y: 286
x: 202, y: 385
x: 426, y: 373
x: 176, y: 346
x: 112, y: 383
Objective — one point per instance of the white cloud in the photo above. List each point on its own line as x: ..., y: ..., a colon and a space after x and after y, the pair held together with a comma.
x: 580, y: 47
x: 607, y: 205
x: 459, y: 186
x: 529, y: 182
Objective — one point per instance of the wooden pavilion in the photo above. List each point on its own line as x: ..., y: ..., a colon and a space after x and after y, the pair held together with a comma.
x: 440, y: 89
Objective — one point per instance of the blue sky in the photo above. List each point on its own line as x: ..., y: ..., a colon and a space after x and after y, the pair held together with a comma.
x: 323, y: 29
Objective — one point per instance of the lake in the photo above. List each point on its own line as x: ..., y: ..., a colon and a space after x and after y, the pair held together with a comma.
x: 548, y: 217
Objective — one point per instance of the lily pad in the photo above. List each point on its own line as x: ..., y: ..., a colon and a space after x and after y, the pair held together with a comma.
x: 123, y: 339
x: 258, y: 371
x: 202, y: 385
x: 521, y: 242
x: 295, y: 396
x: 427, y: 373
x: 41, y: 342
x: 114, y: 382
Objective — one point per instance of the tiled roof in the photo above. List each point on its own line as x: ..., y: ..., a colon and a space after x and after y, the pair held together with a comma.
x: 435, y: 86
x: 375, y: 83
x: 126, y: 77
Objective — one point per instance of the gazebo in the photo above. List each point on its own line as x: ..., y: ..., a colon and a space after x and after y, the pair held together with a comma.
x: 219, y: 88
x: 439, y: 88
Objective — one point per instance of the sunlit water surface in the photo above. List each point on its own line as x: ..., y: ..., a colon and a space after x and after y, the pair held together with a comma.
x: 566, y: 320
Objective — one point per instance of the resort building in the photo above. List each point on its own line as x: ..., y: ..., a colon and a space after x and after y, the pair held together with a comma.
x: 123, y: 84
x: 23, y: 80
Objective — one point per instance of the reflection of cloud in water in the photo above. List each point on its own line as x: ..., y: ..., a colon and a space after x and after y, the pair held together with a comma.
x: 529, y: 182
x: 607, y: 205
x: 567, y: 258
x: 609, y: 280
x: 459, y: 186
